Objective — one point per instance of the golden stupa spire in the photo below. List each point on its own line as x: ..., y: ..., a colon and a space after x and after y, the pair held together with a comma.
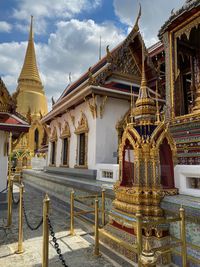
x: 31, y: 37
x: 29, y: 70
x: 143, y: 88
x: 145, y: 106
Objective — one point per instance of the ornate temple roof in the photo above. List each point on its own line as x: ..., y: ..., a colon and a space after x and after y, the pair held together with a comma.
x: 29, y: 70
x: 10, y: 120
x: 113, y: 75
x: 183, y: 12
x: 7, y: 103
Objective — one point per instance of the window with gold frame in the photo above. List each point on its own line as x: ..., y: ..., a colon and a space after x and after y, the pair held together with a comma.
x: 82, y: 143
x: 65, y: 136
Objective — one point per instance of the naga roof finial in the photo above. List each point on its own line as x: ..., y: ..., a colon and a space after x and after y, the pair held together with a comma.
x: 136, y: 26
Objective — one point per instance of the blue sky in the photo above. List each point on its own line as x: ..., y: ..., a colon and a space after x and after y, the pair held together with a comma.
x: 67, y: 34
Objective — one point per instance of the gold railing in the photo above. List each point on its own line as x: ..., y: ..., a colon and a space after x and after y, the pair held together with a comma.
x: 94, y: 211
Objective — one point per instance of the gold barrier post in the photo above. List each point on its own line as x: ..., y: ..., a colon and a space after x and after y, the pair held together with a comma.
x: 45, y: 250
x: 10, y: 183
x: 96, y: 229
x: 103, y: 207
x: 20, y: 233
x: 72, y: 213
x: 183, y: 237
x: 139, y: 235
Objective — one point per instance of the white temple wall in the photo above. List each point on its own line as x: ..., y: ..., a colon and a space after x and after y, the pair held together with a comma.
x: 77, y: 112
x: 187, y: 179
x: 102, y: 135
x: 106, y: 133
x: 3, y: 161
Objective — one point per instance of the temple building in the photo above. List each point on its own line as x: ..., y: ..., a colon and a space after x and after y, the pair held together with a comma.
x: 31, y: 103
x: 12, y: 127
x: 133, y: 119
x: 87, y: 121
x: 180, y: 36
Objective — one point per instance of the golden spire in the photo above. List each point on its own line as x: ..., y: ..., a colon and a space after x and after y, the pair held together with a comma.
x: 31, y: 30
x: 145, y: 106
x: 29, y: 70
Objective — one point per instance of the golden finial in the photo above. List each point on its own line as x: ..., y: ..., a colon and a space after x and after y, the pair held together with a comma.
x: 144, y: 80
x: 31, y: 30
x: 91, y: 79
x: 136, y: 26
x: 108, y: 54
x: 52, y: 101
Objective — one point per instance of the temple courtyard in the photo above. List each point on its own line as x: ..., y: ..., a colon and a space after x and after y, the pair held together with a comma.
x: 77, y: 250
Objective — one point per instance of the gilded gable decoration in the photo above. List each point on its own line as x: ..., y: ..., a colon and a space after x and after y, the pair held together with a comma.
x: 65, y: 131
x: 82, y: 125
x: 91, y: 79
x: 92, y: 105
x: 102, y: 106
x: 72, y: 117
x: 53, y: 134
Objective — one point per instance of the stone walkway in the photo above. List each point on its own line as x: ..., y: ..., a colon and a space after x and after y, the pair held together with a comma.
x: 77, y: 250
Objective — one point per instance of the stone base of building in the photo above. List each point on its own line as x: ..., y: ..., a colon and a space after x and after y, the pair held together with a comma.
x: 125, y: 244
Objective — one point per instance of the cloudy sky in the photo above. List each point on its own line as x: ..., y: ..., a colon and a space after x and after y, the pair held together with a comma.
x: 67, y: 34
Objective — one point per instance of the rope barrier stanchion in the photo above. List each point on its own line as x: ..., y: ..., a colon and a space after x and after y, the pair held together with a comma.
x: 10, y: 184
x: 183, y: 237
x: 96, y: 229
x: 103, y: 207
x: 72, y: 213
x: 45, y: 250
x: 10, y: 193
x: 20, y: 233
x: 139, y: 236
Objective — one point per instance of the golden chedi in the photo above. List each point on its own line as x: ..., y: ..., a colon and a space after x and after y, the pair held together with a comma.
x: 31, y: 103
x: 30, y: 91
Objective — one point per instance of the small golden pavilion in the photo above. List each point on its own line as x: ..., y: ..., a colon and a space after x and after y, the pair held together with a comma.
x: 146, y: 173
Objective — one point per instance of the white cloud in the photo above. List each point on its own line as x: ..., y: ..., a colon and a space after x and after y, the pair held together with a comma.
x: 49, y: 10
x: 5, y: 26
x: 73, y: 47
x: 52, y: 8
x: 154, y: 14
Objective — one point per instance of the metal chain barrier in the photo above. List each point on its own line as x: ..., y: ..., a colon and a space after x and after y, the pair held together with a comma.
x: 56, y: 245
x: 26, y: 219
x: 5, y: 189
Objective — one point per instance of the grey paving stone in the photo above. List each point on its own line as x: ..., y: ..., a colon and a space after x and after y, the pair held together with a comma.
x: 77, y: 251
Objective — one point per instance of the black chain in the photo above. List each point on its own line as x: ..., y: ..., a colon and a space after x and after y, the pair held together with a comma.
x: 16, y: 202
x: 5, y: 189
x: 27, y: 222
x: 56, y: 245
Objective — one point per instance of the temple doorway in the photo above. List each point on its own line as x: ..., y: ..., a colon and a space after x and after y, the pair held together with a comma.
x: 166, y: 165
x: 128, y: 165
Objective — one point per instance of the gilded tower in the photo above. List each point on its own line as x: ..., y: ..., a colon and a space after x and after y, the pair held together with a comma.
x: 146, y: 155
x: 31, y: 103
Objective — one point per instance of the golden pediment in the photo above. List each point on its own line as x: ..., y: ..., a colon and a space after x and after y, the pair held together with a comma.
x: 82, y: 125
x: 53, y: 135
x: 65, y: 131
